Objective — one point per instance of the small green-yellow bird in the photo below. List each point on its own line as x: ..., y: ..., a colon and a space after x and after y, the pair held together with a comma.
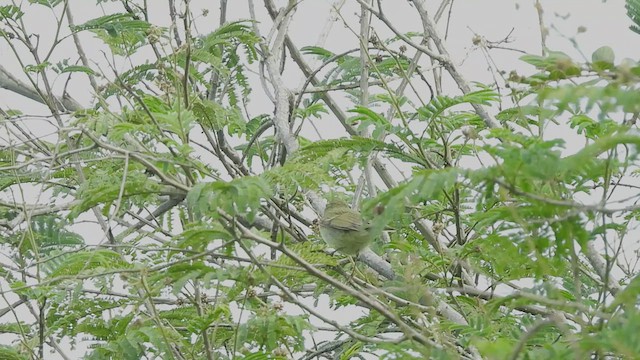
x: 343, y: 228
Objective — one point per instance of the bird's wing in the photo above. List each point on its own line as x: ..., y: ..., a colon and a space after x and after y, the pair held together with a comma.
x: 347, y: 220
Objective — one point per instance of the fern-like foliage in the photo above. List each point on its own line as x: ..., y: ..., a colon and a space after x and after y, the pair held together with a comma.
x: 47, y: 233
x: 633, y: 12
x: 212, y: 115
x: 269, y: 329
x: 106, y: 185
x: 441, y: 103
x: 84, y: 263
x: 9, y: 353
x: 122, y: 32
x: 240, y: 196
x: 220, y: 50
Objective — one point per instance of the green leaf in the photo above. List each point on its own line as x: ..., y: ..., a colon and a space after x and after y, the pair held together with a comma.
x: 423, y: 186
x: 104, y: 185
x: 14, y: 328
x: 177, y: 121
x: 9, y: 353
x: 316, y: 50
x: 585, y: 125
x: 313, y: 110
x: 617, y: 336
x: 359, y: 145
x: 114, y: 24
x: 179, y: 275
x: 628, y: 296
x: 558, y: 64
x: 633, y: 12
x: 589, y: 153
x: 86, y: 263
x: 198, y: 238
x: 368, y: 116
x: 603, y: 54
x: 441, y: 103
x: 10, y: 12
x: 270, y: 330
x: 214, y: 116
x: 47, y: 233
x: 229, y: 33
x: 78, y: 68
x: 123, y: 33
x: 47, y: 3
x: 240, y: 196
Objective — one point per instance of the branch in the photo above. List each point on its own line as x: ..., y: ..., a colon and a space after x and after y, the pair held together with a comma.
x: 9, y: 82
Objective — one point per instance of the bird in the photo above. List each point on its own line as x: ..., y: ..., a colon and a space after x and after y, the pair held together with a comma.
x: 344, y: 229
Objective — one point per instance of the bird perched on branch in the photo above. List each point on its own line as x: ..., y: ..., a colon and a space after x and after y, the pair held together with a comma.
x: 344, y: 229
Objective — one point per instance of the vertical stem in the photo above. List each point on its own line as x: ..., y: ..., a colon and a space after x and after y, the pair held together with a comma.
x: 543, y: 29
x: 365, y: 23
x: 81, y: 53
x: 205, y: 333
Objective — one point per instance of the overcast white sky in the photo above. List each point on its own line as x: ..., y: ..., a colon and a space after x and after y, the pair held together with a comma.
x: 605, y: 22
